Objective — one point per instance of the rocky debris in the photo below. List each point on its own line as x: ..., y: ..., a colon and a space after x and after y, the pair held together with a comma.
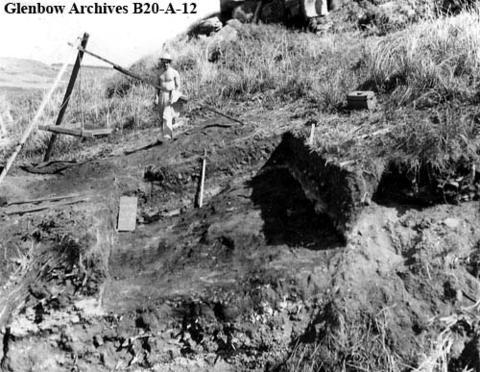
x: 451, y: 222
x: 244, y: 12
x: 387, y: 17
x: 302, y: 13
x: 371, y: 16
x: 206, y: 27
x: 227, y: 34
x: 227, y: 6
x: 452, y: 7
x: 320, y: 24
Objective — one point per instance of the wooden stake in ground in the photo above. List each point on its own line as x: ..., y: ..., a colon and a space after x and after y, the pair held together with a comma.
x: 68, y: 93
x: 312, y: 135
x: 258, y: 10
x: 32, y: 125
x: 202, y: 180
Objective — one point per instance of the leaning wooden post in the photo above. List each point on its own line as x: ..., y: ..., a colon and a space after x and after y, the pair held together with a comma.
x: 68, y: 93
x: 32, y: 125
x: 258, y: 10
x: 202, y: 180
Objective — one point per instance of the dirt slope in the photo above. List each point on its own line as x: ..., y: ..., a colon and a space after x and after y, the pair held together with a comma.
x: 254, y: 280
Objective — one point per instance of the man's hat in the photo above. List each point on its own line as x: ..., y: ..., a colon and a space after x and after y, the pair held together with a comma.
x: 165, y: 56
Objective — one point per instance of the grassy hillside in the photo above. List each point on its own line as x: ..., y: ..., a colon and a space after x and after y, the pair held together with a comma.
x: 16, y: 73
x: 401, y: 265
x: 425, y: 76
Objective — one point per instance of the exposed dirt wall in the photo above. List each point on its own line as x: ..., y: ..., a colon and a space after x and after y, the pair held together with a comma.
x: 340, y: 191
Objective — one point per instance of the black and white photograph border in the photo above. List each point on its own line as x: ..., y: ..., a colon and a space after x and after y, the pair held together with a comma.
x: 256, y: 185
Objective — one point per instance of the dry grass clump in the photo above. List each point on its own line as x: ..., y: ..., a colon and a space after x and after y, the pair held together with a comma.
x: 429, y: 63
x: 334, y: 342
x: 450, y: 350
x: 438, y: 138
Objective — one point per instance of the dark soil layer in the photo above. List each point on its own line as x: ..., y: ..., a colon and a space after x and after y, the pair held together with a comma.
x: 338, y: 191
x: 256, y: 279
x: 342, y: 189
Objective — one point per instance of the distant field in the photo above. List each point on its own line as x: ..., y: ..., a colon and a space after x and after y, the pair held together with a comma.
x: 20, y: 75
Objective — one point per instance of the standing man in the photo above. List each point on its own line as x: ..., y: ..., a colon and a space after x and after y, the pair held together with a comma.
x: 168, y: 93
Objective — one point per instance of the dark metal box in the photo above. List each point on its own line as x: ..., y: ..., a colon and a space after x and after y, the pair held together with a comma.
x: 361, y: 99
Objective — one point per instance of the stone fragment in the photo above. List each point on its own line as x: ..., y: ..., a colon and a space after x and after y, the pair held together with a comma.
x: 451, y: 222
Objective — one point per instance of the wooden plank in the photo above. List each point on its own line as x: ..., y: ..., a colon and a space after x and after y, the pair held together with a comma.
x: 98, y: 132
x: 66, y: 131
x: 86, y: 133
x: 68, y: 93
x: 46, y: 206
x: 49, y: 167
x: 53, y: 198
x: 127, y: 214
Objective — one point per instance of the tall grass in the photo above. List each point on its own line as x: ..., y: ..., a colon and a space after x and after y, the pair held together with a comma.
x: 339, y: 343
x: 268, y: 61
x: 430, y: 62
x: 425, y: 65
x: 88, y: 107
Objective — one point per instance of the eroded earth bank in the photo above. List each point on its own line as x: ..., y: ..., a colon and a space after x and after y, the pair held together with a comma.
x: 292, y: 263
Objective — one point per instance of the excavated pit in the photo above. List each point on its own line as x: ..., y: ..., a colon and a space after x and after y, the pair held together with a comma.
x: 285, y: 257
x: 338, y: 191
x: 341, y: 190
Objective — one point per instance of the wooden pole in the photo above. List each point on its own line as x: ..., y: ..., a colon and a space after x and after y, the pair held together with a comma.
x: 29, y: 129
x: 258, y: 10
x: 202, y: 180
x: 222, y: 114
x: 117, y: 67
x: 68, y: 93
x: 312, y: 135
x: 3, y: 132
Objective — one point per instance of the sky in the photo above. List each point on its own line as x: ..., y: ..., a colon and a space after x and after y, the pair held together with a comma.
x: 121, y: 38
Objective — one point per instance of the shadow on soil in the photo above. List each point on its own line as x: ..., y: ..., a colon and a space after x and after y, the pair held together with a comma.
x: 289, y: 217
